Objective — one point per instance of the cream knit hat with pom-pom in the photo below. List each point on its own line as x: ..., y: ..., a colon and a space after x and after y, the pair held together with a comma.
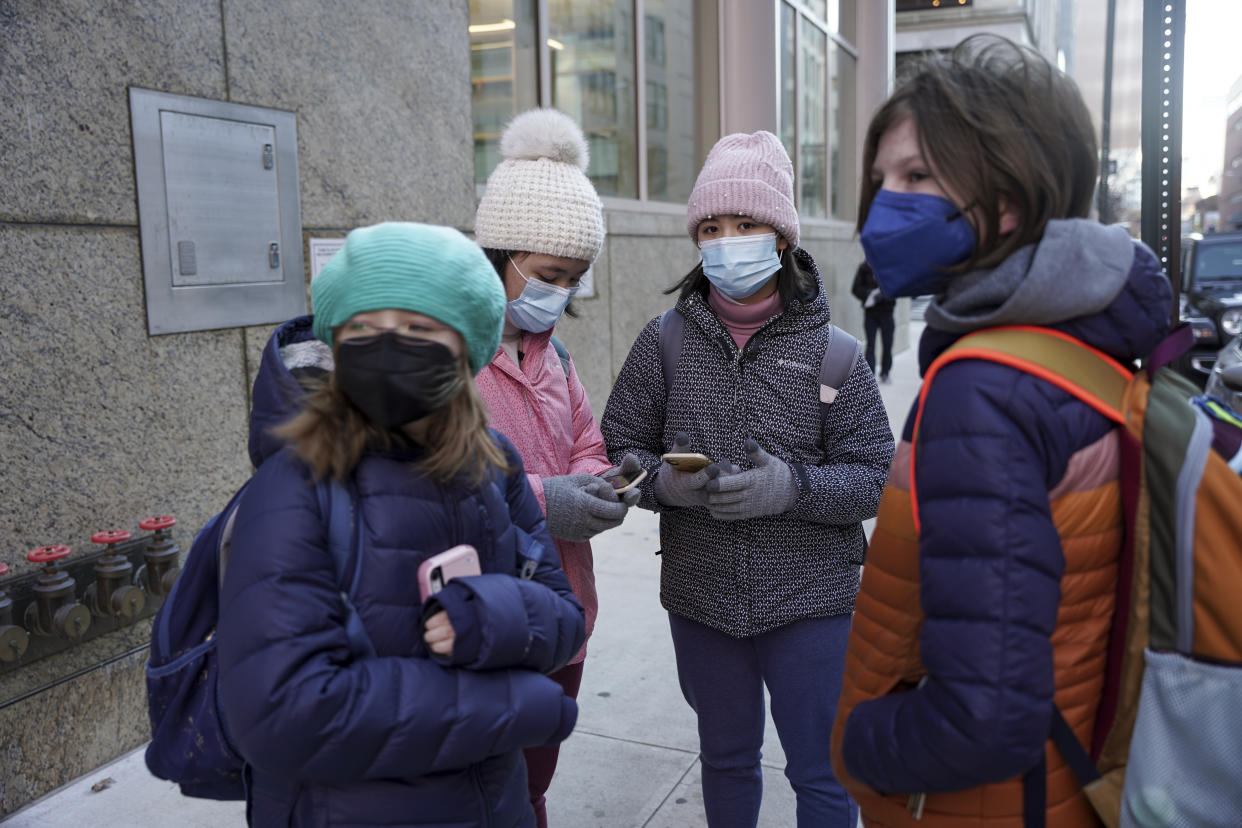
x: 538, y: 199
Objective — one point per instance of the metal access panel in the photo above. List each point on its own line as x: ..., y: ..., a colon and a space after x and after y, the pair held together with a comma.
x: 218, y: 210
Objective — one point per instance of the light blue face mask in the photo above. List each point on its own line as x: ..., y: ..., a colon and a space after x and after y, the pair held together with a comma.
x: 540, y: 304
x: 740, y: 265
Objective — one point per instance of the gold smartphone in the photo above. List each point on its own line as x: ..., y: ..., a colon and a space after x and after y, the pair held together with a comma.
x: 622, y: 484
x: 687, y: 461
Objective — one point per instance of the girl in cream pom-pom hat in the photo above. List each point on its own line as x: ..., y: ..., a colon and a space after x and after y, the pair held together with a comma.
x: 541, y: 224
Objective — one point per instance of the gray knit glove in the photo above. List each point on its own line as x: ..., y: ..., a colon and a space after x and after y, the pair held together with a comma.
x: 767, y: 489
x: 580, y: 506
x: 686, y: 489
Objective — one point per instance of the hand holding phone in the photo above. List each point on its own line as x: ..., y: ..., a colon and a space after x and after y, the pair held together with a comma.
x: 438, y: 570
x: 626, y: 476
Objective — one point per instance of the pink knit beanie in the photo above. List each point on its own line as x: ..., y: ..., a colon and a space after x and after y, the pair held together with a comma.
x: 746, y: 175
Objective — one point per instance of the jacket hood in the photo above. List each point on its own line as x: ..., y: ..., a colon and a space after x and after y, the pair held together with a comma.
x: 292, y: 359
x: 1085, y: 279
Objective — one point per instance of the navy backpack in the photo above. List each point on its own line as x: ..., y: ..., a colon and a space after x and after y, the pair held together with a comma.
x: 190, y: 742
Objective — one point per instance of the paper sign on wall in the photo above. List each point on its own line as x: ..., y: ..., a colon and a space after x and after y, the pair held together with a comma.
x: 320, y: 251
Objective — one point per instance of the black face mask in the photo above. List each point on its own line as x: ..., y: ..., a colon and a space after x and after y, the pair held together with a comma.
x: 395, y: 380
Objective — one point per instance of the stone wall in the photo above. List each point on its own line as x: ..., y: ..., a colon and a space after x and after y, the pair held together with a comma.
x: 101, y: 424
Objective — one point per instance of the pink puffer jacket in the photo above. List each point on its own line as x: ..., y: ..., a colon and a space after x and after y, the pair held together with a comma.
x: 548, y: 418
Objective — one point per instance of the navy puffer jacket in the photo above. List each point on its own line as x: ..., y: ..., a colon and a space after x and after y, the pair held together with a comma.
x: 401, y: 738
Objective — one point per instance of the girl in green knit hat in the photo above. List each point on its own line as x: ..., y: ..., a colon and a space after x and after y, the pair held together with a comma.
x: 428, y: 715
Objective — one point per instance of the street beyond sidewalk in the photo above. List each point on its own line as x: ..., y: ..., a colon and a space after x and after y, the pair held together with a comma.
x: 631, y: 761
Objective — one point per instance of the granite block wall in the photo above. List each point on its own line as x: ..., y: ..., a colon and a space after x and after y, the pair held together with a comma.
x: 101, y: 424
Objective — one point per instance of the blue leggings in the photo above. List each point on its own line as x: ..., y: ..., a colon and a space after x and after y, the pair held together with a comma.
x: 722, y: 678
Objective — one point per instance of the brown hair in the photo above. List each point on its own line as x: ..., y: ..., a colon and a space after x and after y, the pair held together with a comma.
x: 995, y: 121
x: 331, y: 435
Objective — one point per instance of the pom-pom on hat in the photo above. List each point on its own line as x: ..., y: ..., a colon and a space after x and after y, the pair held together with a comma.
x: 539, y: 199
x: 746, y: 175
x: 422, y: 268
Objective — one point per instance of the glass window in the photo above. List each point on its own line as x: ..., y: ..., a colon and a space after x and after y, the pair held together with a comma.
x: 842, y: 71
x: 812, y: 120
x: 590, y: 54
x: 672, y: 132
x: 817, y: 107
x: 592, y: 66
x: 503, y: 61
x: 789, y: 83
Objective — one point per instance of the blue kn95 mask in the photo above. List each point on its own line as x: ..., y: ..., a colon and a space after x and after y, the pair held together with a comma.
x: 740, y: 265
x: 540, y: 304
x: 910, y: 237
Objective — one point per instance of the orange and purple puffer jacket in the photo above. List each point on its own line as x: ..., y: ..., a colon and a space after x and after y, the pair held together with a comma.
x: 995, y: 599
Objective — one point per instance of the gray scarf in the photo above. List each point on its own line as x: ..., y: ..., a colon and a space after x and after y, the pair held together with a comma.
x: 1077, y: 268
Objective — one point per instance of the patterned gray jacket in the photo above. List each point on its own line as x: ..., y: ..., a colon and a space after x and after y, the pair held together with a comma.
x: 751, y: 576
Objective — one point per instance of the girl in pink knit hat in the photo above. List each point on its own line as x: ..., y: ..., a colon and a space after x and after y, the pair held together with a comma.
x: 761, y: 548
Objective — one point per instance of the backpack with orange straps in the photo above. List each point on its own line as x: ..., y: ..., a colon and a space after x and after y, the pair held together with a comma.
x: 1167, y: 746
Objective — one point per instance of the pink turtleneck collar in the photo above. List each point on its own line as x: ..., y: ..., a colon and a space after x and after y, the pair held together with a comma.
x: 743, y: 320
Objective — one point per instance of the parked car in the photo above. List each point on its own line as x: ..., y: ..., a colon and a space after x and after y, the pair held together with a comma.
x: 1211, y: 297
x: 1225, y: 381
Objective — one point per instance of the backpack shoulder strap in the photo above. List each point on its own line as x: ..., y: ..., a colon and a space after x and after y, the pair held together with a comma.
x: 562, y: 354
x: 1068, y: 363
x: 672, y: 333
x: 336, y: 505
x: 839, y: 359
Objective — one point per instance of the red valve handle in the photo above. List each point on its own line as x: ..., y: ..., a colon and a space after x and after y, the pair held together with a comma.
x: 47, y: 554
x: 4, y: 569
x: 151, y: 524
x: 111, y: 536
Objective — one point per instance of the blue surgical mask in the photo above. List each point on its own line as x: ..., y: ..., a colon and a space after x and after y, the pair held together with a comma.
x: 740, y: 265
x: 910, y: 237
x: 540, y: 304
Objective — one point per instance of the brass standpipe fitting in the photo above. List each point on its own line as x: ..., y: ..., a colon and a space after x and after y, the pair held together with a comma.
x: 13, y: 639
x: 55, y: 610
x: 113, y: 592
x: 160, y: 570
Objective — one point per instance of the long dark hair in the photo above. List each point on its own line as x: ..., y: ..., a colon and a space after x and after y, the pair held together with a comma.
x: 792, y: 281
x: 995, y: 120
x: 498, y: 258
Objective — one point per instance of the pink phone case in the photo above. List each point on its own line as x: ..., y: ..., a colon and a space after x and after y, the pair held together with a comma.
x: 438, y: 570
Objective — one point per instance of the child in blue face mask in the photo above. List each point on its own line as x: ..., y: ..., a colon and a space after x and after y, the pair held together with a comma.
x: 990, y: 584
x: 541, y: 224
x: 760, y: 551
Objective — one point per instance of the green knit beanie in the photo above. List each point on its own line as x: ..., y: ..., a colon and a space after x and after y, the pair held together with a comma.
x: 416, y: 267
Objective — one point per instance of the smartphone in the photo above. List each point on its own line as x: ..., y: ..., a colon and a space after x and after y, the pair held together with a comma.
x: 622, y: 484
x: 687, y: 462
x: 438, y: 570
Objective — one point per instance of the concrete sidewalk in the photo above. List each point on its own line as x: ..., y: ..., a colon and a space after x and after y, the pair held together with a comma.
x: 632, y: 760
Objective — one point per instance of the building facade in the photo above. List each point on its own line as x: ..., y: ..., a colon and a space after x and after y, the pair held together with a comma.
x: 397, y: 104
x: 1230, y: 199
